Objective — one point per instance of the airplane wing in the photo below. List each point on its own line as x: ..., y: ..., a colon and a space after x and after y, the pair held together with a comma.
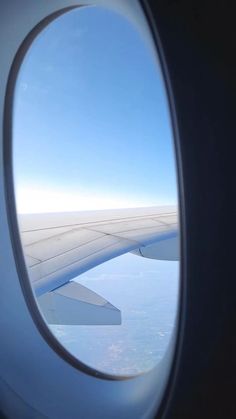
x: 60, y: 246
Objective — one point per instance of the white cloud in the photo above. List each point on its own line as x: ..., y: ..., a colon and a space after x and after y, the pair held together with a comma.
x: 40, y: 200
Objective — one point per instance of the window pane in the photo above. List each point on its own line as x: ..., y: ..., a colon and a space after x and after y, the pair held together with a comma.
x: 95, y: 186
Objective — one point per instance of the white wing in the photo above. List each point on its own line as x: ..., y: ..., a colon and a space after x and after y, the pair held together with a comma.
x: 60, y: 246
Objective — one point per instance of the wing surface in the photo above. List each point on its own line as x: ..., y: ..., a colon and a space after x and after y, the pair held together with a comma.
x: 58, y: 247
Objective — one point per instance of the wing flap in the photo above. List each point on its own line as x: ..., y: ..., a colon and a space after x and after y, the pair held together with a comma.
x: 74, y: 304
x: 165, y: 249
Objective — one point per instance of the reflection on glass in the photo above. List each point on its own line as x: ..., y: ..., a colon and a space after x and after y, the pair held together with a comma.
x: 95, y: 188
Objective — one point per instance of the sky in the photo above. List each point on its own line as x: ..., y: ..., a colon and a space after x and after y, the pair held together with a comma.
x: 91, y: 123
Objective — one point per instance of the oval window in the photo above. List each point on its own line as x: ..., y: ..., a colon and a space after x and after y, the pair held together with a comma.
x: 95, y: 187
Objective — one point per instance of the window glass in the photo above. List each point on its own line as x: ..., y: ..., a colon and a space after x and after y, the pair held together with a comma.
x: 95, y: 188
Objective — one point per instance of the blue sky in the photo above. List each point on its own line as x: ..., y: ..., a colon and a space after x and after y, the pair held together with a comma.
x: 91, y: 122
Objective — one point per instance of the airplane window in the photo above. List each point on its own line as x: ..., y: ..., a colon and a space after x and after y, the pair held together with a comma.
x: 96, y: 190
